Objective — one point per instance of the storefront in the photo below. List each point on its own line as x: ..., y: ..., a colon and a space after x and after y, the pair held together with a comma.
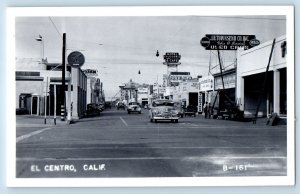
x: 206, y: 88
x: 38, y: 91
x: 226, y: 83
x: 251, y: 73
x: 186, y: 93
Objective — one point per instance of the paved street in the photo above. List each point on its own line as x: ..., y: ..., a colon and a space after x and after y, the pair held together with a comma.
x: 117, y: 144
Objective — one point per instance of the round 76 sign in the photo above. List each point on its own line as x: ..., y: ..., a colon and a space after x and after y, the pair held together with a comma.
x: 76, y: 59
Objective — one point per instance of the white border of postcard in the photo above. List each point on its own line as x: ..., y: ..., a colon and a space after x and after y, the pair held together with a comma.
x: 13, y: 12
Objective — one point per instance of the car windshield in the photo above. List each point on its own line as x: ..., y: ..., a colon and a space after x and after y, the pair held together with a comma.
x: 163, y: 103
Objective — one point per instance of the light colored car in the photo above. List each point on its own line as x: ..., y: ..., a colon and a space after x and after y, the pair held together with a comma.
x: 134, y: 107
x: 163, y: 110
x: 179, y: 109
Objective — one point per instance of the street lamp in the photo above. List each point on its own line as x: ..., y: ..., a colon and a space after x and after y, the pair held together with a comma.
x: 157, y: 53
x: 40, y: 39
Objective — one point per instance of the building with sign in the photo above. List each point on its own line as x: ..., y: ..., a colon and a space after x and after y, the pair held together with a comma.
x: 229, y: 80
x: 129, y: 91
x: 143, y: 94
x: 158, y: 91
x: 93, y: 90
x: 206, y: 88
x: 94, y: 87
x: 176, y: 77
x: 78, y: 95
x: 251, y: 72
x: 186, y: 93
x: 171, y: 61
x: 39, y: 86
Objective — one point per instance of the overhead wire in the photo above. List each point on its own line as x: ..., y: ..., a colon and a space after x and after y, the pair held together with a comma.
x: 56, y: 29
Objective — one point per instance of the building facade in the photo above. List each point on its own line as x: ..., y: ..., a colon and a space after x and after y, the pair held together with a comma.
x: 39, y: 89
x: 251, y: 73
x: 206, y: 88
x: 129, y: 91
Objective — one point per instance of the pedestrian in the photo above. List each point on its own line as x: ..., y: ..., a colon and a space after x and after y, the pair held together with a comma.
x: 209, y: 110
x: 205, y: 109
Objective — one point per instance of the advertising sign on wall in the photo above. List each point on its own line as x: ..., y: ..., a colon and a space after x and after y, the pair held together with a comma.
x: 206, y: 83
x: 229, y: 81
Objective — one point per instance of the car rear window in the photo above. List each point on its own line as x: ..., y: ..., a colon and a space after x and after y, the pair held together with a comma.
x: 155, y: 104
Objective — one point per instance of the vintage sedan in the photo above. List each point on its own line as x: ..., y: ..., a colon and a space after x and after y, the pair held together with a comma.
x: 134, y: 107
x: 163, y: 110
x: 92, y: 110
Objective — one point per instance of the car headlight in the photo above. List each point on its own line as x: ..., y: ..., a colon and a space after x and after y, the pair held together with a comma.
x: 156, y: 112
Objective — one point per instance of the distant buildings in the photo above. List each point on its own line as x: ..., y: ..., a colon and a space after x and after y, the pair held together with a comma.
x: 241, y: 84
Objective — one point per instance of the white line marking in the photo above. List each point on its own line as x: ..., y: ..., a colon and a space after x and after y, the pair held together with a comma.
x: 107, y: 148
x: 124, y: 122
x: 31, y: 134
x: 152, y: 158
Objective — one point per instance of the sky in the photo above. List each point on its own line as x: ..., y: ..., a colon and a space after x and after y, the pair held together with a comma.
x: 120, y: 47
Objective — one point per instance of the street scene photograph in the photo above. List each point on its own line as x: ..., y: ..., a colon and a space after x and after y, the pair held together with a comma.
x: 151, y: 96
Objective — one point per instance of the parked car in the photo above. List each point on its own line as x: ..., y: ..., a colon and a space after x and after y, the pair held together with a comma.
x: 163, y: 110
x: 107, y: 105
x: 92, y: 110
x: 190, y: 110
x: 178, y: 106
x: 100, y: 106
x: 134, y: 107
x: 121, y: 106
x: 146, y: 106
x: 21, y: 111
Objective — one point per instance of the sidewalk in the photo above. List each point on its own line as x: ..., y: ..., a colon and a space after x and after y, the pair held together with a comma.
x: 32, y: 120
x: 247, y: 121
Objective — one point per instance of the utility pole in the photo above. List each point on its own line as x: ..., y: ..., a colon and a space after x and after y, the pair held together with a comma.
x: 54, y: 104
x: 46, y: 93
x: 264, y: 86
x: 63, y: 78
x: 221, y: 93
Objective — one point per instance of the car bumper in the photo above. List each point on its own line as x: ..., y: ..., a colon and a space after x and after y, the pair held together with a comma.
x: 132, y: 110
x: 165, y: 118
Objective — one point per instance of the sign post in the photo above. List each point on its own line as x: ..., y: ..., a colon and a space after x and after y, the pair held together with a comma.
x: 76, y: 60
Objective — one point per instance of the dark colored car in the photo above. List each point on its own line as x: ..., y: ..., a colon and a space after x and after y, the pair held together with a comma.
x: 121, y: 106
x: 100, y: 106
x: 190, y: 110
x: 107, y: 105
x: 92, y: 110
